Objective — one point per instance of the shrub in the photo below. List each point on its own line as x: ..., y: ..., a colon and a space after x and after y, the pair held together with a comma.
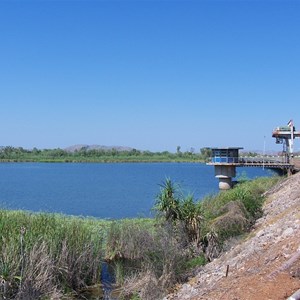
x: 232, y: 213
x: 233, y: 220
x: 191, y: 216
x: 250, y: 193
x: 196, y: 262
x: 168, y: 201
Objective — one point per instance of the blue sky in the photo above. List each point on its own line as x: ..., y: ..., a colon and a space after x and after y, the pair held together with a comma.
x: 148, y: 74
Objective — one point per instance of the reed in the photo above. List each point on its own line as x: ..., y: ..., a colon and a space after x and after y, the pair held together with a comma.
x: 47, y: 255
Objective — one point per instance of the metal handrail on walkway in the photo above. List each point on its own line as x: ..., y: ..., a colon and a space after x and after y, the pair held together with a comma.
x: 268, y: 160
x: 264, y: 159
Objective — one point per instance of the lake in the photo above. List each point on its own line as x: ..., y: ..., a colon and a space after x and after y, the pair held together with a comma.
x: 116, y: 190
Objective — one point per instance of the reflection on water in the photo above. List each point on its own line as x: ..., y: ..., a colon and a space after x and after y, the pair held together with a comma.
x: 107, y: 280
x: 106, y: 290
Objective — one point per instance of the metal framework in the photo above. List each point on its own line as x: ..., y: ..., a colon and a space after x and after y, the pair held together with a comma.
x: 285, y: 135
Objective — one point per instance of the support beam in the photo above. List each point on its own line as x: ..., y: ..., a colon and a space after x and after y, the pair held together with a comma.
x: 225, y: 183
x: 225, y: 173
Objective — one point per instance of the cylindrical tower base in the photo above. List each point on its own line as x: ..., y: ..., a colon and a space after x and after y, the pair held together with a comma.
x: 225, y: 183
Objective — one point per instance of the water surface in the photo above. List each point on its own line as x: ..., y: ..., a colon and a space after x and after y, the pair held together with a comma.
x: 117, y: 190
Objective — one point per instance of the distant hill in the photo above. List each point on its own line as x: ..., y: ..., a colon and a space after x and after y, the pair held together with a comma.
x: 96, y: 147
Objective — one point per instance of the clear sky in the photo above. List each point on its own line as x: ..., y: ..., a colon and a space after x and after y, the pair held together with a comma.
x: 152, y: 75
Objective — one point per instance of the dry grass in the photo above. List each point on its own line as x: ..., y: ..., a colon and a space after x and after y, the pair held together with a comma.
x: 39, y: 275
x: 156, y: 266
x: 44, y: 256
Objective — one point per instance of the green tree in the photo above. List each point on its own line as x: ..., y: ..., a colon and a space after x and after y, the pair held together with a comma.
x: 205, y: 153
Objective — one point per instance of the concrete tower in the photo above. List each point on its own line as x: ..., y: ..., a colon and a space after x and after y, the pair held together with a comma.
x: 225, y: 161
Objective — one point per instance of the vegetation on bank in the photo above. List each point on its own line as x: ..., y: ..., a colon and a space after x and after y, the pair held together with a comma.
x: 47, y: 256
x: 44, y: 256
x: 12, y: 154
x: 187, y: 234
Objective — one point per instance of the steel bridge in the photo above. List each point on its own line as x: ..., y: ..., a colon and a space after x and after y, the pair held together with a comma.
x: 277, y: 163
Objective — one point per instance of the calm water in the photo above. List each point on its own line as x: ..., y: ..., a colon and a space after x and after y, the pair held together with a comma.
x: 116, y: 190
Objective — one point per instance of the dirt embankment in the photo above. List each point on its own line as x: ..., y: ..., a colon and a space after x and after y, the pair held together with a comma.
x: 266, y: 265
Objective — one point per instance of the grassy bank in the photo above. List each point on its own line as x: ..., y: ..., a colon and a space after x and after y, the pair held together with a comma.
x: 50, y: 256
x: 47, y: 256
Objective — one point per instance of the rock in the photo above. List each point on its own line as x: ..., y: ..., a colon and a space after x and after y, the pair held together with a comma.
x: 295, y: 296
x: 288, y: 232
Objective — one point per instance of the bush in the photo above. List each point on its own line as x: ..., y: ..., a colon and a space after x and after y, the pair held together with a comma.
x: 232, y: 213
x: 233, y: 220
x: 250, y: 193
x: 196, y: 262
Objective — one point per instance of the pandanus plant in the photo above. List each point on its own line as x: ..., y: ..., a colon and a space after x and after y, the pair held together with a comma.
x: 191, y: 215
x: 167, y: 201
x: 174, y: 207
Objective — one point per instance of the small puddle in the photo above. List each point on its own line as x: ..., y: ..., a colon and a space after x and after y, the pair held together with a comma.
x: 106, y: 290
x: 107, y: 280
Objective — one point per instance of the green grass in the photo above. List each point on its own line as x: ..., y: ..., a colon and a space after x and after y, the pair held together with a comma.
x: 248, y: 198
x: 69, y: 251
x: 196, y: 262
x: 63, y: 245
x: 57, y: 254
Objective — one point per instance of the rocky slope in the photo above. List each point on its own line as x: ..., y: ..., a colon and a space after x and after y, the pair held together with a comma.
x: 266, y: 265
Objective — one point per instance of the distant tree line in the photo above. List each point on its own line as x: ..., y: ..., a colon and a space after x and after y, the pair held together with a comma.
x: 84, y: 154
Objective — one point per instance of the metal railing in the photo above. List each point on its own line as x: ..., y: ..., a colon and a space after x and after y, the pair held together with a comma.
x: 250, y: 160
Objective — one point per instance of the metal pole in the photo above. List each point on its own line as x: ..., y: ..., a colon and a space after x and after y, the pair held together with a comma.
x: 264, y: 151
x: 292, y: 137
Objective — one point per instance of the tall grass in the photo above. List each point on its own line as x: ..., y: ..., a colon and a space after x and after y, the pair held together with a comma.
x: 149, y: 260
x: 46, y: 255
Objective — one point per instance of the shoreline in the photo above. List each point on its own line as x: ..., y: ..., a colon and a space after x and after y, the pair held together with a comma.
x: 49, y: 252
x: 99, y: 161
